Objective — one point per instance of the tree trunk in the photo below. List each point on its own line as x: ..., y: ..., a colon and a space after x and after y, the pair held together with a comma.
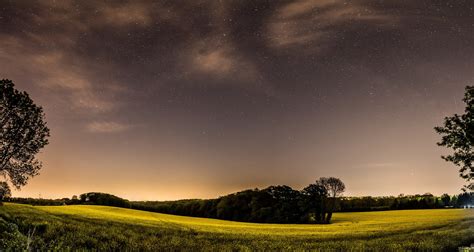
x: 332, y: 206
x: 328, y: 217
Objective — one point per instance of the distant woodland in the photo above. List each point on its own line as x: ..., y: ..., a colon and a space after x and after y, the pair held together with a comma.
x: 263, y: 205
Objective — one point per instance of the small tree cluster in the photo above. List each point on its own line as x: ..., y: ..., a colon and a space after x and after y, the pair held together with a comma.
x: 274, y: 204
x: 321, y: 198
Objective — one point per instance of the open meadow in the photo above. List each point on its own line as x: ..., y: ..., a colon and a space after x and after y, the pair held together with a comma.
x: 106, y: 228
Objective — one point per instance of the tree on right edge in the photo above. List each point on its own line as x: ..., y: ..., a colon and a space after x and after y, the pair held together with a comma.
x: 457, y: 133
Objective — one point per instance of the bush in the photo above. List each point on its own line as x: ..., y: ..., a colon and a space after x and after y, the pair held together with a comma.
x: 10, y: 237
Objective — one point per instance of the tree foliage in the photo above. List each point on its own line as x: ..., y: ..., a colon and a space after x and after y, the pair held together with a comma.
x: 5, y: 191
x: 23, y: 134
x: 334, y: 188
x: 97, y: 198
x: 274, y: 204
x: 446, y: 199
x: 458, y: 134
x: 315, y: 201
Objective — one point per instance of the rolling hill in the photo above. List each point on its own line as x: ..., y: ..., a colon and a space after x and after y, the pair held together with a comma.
x: 107, y: 228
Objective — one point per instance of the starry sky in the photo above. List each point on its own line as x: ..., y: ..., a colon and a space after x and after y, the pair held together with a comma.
x: 159, y: 100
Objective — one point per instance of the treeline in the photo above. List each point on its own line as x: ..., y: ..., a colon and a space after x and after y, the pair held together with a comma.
x: 275, y: 204
x: 425, y: 201
x: 256, y: 205
x: 91, y: 198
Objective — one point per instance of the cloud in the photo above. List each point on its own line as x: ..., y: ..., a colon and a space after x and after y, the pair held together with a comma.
x: 57, y: 71
x: 214, y: 61
x: 127, y: 14
x: 107, y: 127
x: 135, y: 13
x: 219, y: 59
x: 310, y: 23
x: 379, y: 165
x: 221, y: 63
x: 103, y: 13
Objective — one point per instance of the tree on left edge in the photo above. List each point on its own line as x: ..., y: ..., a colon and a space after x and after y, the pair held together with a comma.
x: 23, y: 134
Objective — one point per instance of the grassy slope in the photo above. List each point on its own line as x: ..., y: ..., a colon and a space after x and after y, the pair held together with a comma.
x: 108, y: 228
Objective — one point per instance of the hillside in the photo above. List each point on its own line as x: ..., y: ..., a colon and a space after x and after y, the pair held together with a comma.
x: 102, y: 227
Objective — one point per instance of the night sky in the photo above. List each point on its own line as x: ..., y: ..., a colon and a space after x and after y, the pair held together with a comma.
x: 196, y: 99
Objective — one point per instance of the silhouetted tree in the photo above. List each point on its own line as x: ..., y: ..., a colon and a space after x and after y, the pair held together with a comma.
x: 315, y: 200
x: 458, y: 134
x: 454, y: 201
x: 465, y: 199
x: 286, y: 209
x: 4, y: 191
x: 97, y: 198
x: 236, y: 206
x: 23, y: 133
x: 446, y: 199
x: 334, y: 187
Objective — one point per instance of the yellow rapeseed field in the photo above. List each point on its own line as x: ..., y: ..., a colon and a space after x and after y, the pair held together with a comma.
x: 102, y: 227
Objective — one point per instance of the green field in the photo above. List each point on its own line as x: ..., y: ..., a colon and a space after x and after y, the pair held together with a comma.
x: 106, y: 228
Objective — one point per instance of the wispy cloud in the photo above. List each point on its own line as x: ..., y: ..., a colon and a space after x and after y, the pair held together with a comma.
x: 130, y: 14
x: 61, y: 73
x: 139, y: 13
x: 379, y: 165
x: 107, y: 127
x: 308, y: 23
x: 216, y: 61
x: 219, y: 59
x: 112, y: 13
